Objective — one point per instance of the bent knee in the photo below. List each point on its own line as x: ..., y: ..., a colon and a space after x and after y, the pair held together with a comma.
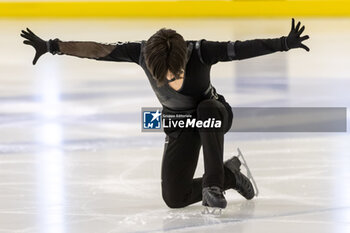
x: 208, y: 103
x: 210, y: 108
x: 173, y: 203
x: 173, y: 197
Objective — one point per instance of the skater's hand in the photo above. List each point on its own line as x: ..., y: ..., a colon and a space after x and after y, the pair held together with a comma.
x: 293, y: 40
x: 40, y: 46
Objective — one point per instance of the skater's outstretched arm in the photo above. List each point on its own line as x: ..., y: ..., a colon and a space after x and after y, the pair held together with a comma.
x: 213, y: 52
x: 128, y: 52
x: 258, y: 47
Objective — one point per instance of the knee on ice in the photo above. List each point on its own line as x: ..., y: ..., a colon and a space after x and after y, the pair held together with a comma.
x: 173, y: 199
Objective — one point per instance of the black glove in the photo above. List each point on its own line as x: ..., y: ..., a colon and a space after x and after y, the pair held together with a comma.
x: 293, y: 40
x: 41, y: 46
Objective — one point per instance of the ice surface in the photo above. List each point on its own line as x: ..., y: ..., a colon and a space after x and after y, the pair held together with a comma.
x: 73, y: 158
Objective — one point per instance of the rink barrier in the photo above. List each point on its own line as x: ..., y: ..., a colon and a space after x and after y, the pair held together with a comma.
x: 173, y: 9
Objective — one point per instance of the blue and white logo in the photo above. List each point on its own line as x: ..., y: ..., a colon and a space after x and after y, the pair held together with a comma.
x: 152, y: 119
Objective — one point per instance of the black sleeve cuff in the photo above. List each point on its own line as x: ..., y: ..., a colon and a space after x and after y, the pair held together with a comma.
x: 284, y: 43
x: 53, y: 46
x: 231, y: 53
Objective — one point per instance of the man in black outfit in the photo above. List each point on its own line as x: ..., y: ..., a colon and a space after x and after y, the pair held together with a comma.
x: 179, y: 74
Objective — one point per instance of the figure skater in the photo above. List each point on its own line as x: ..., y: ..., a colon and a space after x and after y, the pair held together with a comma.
x: 179, y: 73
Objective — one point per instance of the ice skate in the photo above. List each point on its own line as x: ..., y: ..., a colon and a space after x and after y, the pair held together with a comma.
x: 246, y: 186
x: 213, y: 201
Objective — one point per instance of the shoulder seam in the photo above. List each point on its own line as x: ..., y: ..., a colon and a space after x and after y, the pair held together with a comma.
x: 141, y: 51
x: 231, y: 53
x: 198, y: 48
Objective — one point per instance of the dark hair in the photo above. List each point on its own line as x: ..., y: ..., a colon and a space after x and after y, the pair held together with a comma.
x: 165, y: 50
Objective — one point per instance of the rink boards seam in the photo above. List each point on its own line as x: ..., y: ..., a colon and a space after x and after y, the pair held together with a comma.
x: 189, y: 9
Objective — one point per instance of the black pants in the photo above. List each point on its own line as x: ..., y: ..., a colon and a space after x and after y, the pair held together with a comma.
x: 181, y: 153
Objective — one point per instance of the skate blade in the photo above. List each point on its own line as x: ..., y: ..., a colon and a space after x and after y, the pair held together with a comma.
x: 249, y: 174
x: 212, y: 211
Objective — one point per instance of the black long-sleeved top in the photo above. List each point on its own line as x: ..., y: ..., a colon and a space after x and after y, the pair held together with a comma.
x: 204, y: 55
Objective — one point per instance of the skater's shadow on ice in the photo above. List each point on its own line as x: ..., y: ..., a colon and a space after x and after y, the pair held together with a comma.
x: 192, y: 217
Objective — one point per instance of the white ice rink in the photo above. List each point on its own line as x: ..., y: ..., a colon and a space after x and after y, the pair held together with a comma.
x: 73, y: 158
